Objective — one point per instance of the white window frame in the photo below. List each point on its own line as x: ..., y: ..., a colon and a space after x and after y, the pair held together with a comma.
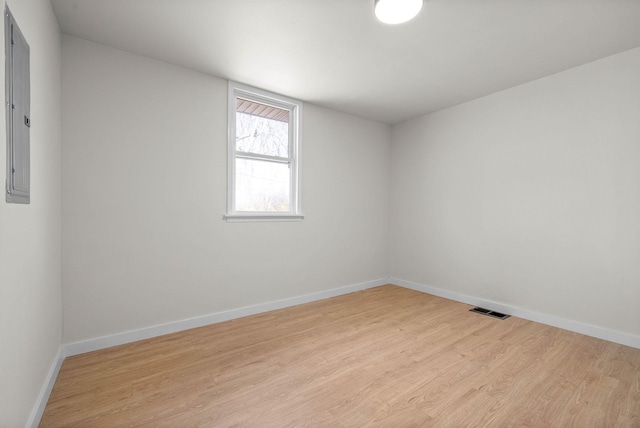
x: 238, y: 90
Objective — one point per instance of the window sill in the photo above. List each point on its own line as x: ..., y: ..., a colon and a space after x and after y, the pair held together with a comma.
x: 238, y: 218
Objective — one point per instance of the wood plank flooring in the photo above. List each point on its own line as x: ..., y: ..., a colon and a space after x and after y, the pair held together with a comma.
x: 387, y: 357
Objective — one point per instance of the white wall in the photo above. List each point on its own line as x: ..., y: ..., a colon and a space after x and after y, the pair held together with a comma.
x: 529, y: 197
x: 30, y: 273
x: 144, y: 191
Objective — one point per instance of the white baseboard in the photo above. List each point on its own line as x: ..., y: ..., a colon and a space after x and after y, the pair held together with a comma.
x: 89, y: 345
x: 43, y: 397
x: 563, y: 323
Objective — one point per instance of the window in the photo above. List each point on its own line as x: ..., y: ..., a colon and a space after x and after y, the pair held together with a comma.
x: 17, y: 101
x: 264, y: 156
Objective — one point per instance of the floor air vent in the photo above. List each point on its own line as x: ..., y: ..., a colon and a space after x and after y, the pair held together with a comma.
x: 490, y: 313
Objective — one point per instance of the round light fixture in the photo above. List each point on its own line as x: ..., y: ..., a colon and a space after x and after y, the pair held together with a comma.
x: 396, y: 11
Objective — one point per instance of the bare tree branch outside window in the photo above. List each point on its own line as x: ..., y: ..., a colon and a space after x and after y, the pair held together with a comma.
x: 262, y: 185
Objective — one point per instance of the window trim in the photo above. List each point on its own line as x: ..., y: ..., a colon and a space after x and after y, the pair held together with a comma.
x: 238, y: 90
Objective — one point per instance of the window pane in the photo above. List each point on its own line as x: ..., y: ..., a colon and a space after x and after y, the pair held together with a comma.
x: 262, y: 186
x: 262, y: 129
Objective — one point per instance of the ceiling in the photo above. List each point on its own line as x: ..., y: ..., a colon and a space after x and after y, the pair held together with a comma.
x: 335, y: 54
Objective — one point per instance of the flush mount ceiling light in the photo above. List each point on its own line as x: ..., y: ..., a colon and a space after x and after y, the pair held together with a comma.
x: 396, y: 11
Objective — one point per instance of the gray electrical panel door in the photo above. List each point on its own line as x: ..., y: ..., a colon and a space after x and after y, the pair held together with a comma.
x: 18, y: 115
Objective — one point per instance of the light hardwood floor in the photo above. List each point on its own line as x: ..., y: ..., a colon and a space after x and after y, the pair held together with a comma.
x: 386, y: 356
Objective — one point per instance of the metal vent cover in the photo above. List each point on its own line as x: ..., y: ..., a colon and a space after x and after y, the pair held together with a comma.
x: 490, y: 313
